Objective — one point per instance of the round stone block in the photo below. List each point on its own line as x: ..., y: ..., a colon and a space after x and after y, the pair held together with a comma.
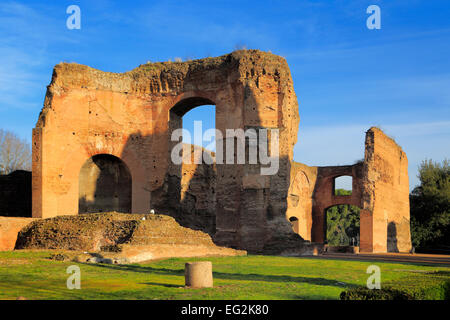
x: 198, y: 274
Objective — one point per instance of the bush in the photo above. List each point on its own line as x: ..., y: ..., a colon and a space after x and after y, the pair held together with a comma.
x: 433, y: 287
x: 362, y: 293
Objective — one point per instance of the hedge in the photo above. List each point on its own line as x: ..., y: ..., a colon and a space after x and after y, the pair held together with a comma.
x: 433, y: 286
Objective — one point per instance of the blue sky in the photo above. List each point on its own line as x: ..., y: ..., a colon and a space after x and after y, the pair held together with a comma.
x: 347, y: 77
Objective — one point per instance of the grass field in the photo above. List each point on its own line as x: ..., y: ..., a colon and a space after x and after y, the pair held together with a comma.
x: 33, y: 275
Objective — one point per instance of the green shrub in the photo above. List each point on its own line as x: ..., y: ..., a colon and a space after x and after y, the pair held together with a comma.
x: 362, y: 293
x: 433, y: 287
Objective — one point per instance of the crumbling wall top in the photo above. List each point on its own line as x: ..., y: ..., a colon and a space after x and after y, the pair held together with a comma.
x: 170, y: 78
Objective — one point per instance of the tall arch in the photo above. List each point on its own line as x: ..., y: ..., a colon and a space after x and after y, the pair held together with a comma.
x: 191, y: 184
x: 104, y: 185
x: 325, y: 195
x: 176, y: 114
x: 342, y: 224
x: 299, y: 203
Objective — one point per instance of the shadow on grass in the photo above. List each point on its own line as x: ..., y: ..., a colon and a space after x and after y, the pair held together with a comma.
x: 162, y: 284
x: 383, y: 260
x: 441, y: 273
x: 229, y: 276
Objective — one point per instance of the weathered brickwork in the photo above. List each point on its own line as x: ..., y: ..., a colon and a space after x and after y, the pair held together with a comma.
x: 380, y: 188
x: 132, y: 115
x: 130, y: 118
x: 9, y: 229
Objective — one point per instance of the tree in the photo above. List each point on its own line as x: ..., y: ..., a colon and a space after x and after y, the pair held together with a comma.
x: 15, y: 153
x: 430, y: 206
x: 342, y: 222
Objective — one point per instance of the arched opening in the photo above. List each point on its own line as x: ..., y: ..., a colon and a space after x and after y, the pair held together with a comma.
x: 196, y: 117
x: 192, y: 182
x: 294, y: 224
x: 343, y: 186
x: 104, y: 185
x: 299, y: 204
x: 342, y: 225
x: 392, y: 241
x: 197, y: 121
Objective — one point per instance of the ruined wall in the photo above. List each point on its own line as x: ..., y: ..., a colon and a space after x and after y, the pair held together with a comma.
x: 311, y: 193
x: 9, y: 229
x: 380, y: 187
x: 104, y: 185
x: 132, y: 115
x: 300, y: 197
x: 385, y: 204
x: 195, y: 184
x: 324, y: 196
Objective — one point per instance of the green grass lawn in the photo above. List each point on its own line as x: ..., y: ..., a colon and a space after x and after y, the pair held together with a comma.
x: 32, y: 275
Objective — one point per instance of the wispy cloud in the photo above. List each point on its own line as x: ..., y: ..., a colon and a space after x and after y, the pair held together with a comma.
x: 26, y: 34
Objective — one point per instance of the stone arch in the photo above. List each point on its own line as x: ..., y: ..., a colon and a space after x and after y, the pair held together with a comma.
x: 325, y: 197
x: 295, y: 224
x: 192, y: 183
x: 176, y: 113
x: 350, y: 231
x: 186, y: 104
x: 105, y: 184
x: 340, y: 181
x: 299, y: 203
x: 65, y: 184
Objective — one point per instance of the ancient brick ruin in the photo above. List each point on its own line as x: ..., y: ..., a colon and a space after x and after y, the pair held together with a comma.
x: 102, y: 143
x: 380, y: 188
